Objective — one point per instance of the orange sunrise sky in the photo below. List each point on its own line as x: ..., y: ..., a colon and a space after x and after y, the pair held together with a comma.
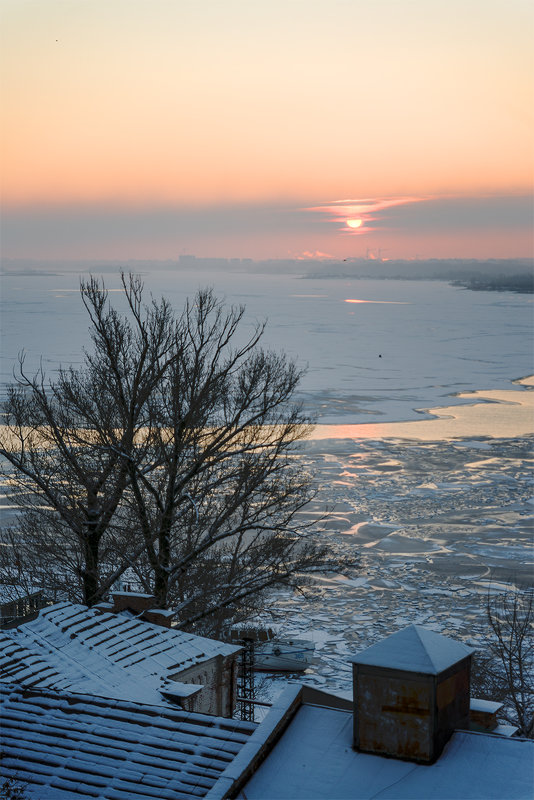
x: 151, y: 128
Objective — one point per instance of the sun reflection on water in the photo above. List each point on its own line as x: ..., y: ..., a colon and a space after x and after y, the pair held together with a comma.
x: 381, y: 302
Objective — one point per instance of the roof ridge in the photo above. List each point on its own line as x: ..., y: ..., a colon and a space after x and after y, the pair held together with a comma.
x: 418, y: 629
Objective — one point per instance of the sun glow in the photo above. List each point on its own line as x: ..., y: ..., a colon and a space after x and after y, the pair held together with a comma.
x: 355, y: 223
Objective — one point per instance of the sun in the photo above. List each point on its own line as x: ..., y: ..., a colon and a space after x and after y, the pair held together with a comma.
x: 354, y: 223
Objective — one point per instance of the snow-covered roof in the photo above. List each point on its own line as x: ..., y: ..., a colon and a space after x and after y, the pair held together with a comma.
x: 487, y: 706
x: 76, y: 648
x: 414, y: 649
x: 64, y: 745
x: 314, y: 760
x: 29, y: 662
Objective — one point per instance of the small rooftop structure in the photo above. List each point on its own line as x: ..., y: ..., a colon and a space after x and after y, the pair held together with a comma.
x: 87, y: 650
x: 483, y: 716
x: 18, y: 603
x: 140, y: 605
x: 411, y: 691
x: 62, y: 745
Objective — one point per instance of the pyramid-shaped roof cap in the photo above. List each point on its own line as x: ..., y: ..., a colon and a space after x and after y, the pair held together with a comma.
x: 414, y: 649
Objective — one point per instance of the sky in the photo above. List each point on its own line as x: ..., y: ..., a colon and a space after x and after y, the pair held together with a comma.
x: 267, y: 128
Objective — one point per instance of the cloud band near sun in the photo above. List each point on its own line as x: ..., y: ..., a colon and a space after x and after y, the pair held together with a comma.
x: 358, y: 216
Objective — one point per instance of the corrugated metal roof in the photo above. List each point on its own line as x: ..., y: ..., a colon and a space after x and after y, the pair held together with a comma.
x: 80, y: 649
x: 64, y: 745
x: 124, y: 638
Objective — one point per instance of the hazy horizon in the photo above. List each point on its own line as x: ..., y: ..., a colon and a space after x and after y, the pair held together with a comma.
x: 290, y: 130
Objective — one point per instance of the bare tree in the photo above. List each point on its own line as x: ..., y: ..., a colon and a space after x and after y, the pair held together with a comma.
x: 506, y: 671
x: 63, y: 438
x: 170, y: 452
x: 219, y: 490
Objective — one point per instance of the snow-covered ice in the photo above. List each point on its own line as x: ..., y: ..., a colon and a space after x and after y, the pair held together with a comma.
x: 450, y: 548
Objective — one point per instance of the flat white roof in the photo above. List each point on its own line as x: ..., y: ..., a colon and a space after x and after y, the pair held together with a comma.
x: 314, y: 760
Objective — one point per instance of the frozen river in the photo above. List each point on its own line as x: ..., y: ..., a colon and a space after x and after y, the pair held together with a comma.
x: 375, y: 351
x: 439, y: 510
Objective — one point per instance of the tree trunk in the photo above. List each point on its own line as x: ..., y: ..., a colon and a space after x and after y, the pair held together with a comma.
x: 162, y: 570
x: 91, y: 583
x: 161, y: 586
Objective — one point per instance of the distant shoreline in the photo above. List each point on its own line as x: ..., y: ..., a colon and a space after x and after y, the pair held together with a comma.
x: 521, y: 284
x: 492, y: 275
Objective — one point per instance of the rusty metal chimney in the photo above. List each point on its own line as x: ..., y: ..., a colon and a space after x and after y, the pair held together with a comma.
x: 411, y: 691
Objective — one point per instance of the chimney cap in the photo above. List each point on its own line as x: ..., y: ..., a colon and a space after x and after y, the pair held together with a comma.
x: 414, y: 649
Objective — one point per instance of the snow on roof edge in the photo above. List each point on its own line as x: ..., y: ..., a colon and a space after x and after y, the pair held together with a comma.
x: 235, y: 771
